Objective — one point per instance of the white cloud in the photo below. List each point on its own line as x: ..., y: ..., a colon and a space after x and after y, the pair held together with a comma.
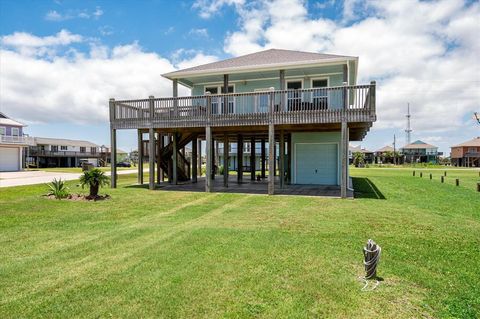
x: 56, y: 16
x: 28, y: 44
x: 76, y: 88
x: 425, y: 53
x: 199, y: 33
x: 208, y: 8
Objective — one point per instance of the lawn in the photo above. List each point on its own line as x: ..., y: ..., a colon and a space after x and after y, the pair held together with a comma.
x: 195, y: 255
x: 78, y: 169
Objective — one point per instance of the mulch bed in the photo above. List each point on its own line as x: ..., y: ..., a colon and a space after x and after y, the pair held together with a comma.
x: 80, y: 197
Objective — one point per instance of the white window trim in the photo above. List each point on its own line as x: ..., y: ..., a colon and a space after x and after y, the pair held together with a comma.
x: 256, y: 100
x: 328, y: 85
x: 4, y: 130
x: 219, y: 87
x: 17, y: 130
x: 286, y: 88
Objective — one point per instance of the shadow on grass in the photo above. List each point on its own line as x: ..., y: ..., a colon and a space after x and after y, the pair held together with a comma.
x: 364, y: 188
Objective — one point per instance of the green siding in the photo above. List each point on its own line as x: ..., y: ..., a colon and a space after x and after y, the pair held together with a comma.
x: 316, y: 151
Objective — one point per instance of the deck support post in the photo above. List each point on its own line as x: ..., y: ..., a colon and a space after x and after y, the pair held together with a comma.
x: 289, y: 159
x: 240, y: 158
x: 194, y: 160
x: 281, y: 159
x: 214, y: 157
x: 274, y: 159
x: 175, y: 96
x: 170, y: 162
x: 151, y: 158
x: 175, y: 159
x: 252, y: 158
x: 209, y: 153
x: 113, y: 145
x: 263, y: 157
x: 199, y: 160
x: 225, y: 160
x: 344, y: 160
x: 271, y: 159
x: 140, y: 158
x: 159, y: 157
x: 113, y: 158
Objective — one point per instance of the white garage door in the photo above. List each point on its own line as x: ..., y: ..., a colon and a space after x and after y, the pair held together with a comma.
x: 9, y: 159
x: 316, y: 163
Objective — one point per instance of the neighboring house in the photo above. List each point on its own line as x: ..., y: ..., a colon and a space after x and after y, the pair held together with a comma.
x: 12, y: 144
x: 55, y: 152
x: 466, y: 154
x: 420, y: 152
x: 369, y: 157
x: 384, y: 155
x: 308, y: 103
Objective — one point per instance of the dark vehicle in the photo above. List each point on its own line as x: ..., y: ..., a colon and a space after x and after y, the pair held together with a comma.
x: 124, y: 164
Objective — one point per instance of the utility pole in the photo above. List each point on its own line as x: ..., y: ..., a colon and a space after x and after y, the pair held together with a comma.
x: 409, y: 129
x: 394, y: 151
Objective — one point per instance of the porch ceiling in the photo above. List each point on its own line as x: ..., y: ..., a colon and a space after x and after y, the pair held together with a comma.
x: 258, y: 75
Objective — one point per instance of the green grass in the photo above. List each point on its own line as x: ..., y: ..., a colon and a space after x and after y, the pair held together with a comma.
x: 180, y: 254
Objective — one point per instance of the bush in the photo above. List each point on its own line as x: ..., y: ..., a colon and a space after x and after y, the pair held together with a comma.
x: 220, y: 170
x: 58, y: 188
x: 95, y: 179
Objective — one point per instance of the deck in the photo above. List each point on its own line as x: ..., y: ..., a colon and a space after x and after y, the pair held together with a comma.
x: 353, y: 104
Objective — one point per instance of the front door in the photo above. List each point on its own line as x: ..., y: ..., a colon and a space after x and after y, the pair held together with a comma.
x: 294, y: 98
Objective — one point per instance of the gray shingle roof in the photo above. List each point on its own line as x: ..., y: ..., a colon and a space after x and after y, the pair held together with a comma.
x: 61, y: 141
x: 418, y: 145
x: 385, y: 149
x: 271, y: 57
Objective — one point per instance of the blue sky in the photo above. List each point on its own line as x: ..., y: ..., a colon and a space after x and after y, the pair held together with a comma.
x: 68, y: 57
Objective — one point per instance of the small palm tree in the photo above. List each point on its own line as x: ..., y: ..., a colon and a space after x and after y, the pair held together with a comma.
x: 358, y: 159
x: 95, y: 179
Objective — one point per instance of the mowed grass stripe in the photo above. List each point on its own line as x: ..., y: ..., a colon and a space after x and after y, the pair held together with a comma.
x: 117, y: 252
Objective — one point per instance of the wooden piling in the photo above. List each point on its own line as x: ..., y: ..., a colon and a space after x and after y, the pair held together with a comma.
x: 442, y: 179
x: 457, y: 182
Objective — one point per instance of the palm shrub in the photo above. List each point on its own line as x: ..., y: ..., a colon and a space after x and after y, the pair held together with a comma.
x: 58, y: 188
x: 358, y: 159
x: 94, y: 179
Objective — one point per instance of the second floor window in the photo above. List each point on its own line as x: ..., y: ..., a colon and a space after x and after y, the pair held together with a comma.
x: 63, y: 148
x: 15, y: 131
x: 83, y: 149
x: 3, y: 131
x: 93, y: 150
x: 54, y: 148
x: 320, y: 96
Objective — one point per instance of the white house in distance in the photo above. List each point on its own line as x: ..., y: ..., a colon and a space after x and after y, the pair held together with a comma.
x: 12, y: 144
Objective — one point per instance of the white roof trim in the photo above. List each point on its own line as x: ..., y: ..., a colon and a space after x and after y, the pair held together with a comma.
x: 258, y: 68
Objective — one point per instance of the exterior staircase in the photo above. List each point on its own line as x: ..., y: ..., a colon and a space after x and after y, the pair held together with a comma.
x: 183, y: 165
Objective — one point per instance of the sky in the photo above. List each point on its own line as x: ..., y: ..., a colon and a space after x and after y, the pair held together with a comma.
x: 60, y: 61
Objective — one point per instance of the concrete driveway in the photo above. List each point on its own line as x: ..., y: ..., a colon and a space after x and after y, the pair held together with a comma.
x: 8, y: 179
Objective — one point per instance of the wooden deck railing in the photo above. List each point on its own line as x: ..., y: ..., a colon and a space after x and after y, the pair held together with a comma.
x: 306, y: 106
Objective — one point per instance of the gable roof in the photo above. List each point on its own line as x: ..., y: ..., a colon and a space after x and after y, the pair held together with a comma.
x: 473, y: 142
x: 5, y: 120
x: 358, y: 148
x: 418, y: 145
x: 387, y: 148
x: 264, y: 59
x: 61, y: 141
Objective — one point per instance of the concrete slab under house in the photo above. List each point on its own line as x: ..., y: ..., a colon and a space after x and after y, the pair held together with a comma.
x: 296, y: 111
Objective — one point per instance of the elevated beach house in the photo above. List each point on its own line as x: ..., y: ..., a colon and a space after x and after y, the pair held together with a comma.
x: 12, y: 144
x: 308, y: 105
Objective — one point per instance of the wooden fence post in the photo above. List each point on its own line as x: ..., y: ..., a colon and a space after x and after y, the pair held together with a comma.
x: 445, y: 173
x: 478, y: 186
x: 430, y: 176
x: 442, y: 179
x: 413, y: 173
x: 421, y: 174
x: 457, y: 182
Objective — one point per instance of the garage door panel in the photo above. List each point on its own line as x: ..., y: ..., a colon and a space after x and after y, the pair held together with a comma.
x: 316, y: 163
x: 9, y: 159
